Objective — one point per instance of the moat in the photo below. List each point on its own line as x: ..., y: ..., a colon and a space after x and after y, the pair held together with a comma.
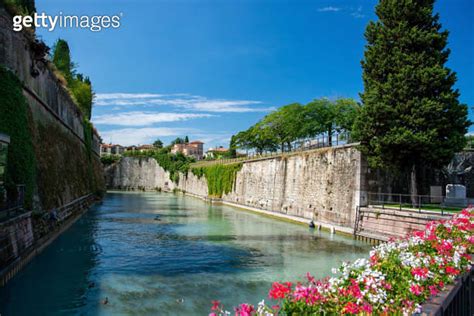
x: 165, y: 254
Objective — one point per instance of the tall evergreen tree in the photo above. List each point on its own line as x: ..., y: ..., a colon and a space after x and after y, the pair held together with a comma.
x: 411, y: 114
x: 62, y: 59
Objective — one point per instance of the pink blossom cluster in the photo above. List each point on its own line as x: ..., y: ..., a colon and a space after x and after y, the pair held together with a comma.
x: 399, y: 276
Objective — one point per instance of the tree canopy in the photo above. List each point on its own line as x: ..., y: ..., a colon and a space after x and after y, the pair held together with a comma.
x: 411, y: 111
x: 158, y: 144
x: 411, y: 114
x: 293, y: 122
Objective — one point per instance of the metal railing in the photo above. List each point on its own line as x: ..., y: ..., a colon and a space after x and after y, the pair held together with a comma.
x: 458, y: 299
x: 432, y: 203
x: 50, y: 220
x: 297, y: 146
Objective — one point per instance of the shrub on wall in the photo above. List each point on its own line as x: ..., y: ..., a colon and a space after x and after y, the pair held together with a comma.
x: 15, y: 122
x: 172, y: 163
x: 220, y: 178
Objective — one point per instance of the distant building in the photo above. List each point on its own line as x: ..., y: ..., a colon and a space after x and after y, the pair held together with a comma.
x: 109, y: 149
x: 143, y: 148
x: 192, y: 149
x: 217, y: 152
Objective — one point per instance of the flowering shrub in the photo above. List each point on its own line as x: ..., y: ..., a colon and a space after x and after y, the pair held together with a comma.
x: 396, y: 279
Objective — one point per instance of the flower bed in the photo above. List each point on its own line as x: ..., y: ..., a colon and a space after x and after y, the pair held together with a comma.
x: 398, y: 277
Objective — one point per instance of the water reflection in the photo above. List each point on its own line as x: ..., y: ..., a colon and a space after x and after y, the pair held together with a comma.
x: 156, y: 253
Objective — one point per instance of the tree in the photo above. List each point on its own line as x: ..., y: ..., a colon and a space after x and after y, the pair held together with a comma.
x: 186, y: 140
x: 82, y: 90
x: 178, y: 140
x: 258, y: 137
x: 158, y: 144
x: 470, y: 141
x: 62, y: 59
x: 284, y: 124
x: 26, y: 7
x: 80, y: 86
x: 411, y: 114
x: 232, y: 153
x: 326, y: 116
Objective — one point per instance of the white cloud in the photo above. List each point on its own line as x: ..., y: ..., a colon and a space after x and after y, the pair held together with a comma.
x: 357, y: 13
x: 114, y: 96
x: 352, y: 11
x: 329, y: 9
x: 146, y: 135
x: 184, y: 101
x: 139, y: 118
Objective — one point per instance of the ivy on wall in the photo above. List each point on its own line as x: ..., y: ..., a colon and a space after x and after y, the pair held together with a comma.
x: 88, y: 139
x: 172, y: 163
x: 15, y: 122
x: 220, y: 178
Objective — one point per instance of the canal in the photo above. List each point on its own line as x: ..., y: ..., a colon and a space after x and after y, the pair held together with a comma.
x: 165, y: 254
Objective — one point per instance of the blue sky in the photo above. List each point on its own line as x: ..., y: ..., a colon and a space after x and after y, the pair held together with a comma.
x: 208, y: 69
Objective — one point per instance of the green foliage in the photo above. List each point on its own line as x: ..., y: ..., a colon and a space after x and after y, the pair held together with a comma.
x: 289, y: 123
x: 158, y: 144
x: 88, y: 134
x: 178, y: 140
x: 23, y: 7
x: 174, y: 164
x: 284, y: 125
x: 107, y: 160
x: 62, y: 59
x: 82, y: 91
x: 326, y: 116
x: 15, y: 122
x: 470, y: 142
x: 88, y: 131
x: 411, y: 113
x: 232, y: 153
x: 80, y: 87
x: 220, y: 178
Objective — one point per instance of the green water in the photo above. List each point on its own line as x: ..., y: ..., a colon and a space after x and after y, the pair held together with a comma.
x: 162, y: 254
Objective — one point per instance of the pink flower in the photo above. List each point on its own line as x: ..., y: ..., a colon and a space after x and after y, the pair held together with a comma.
x: 279, y: 290
x: 445, y: 247
x: 352, y: 290
x: 387, y: 285
x: 421, y: 272
x: 433, y: 289
x: 451, y: 270
x: 416, y: 289
x: 374, y: 259
x: 244, y: 310
x: 367, y: 308
x: 351, y: 308
x: 308, y: 294
x: 215, y: 305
